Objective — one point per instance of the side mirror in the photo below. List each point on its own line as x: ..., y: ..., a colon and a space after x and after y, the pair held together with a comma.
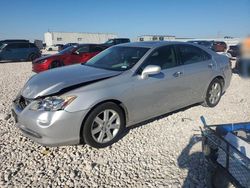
x: 76, y: 52
x: 150, y: 70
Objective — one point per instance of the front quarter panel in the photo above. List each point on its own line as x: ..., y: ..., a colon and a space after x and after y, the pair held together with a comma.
x: 111, y: 89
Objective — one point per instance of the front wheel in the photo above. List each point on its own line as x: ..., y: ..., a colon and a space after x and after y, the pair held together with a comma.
x: 213, y: 94
x: 104, y: 125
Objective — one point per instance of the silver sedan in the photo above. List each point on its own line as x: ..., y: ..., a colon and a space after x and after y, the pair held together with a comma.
x: 124, y: 85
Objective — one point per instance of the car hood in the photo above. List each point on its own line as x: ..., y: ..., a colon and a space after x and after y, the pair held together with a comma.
x: 61, y: 80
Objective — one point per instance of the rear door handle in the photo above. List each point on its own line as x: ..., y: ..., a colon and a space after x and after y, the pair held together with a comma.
x: 178, y: 74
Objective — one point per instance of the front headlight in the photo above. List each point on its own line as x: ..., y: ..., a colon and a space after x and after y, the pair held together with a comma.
x: 53, y: 103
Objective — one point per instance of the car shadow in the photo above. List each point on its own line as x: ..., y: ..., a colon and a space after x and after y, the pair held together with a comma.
x: 161, y: 116
x: 154, y: 119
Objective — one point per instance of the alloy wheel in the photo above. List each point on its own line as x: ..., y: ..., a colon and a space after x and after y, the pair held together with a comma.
x: 215, y: 93
x: 105, y: 126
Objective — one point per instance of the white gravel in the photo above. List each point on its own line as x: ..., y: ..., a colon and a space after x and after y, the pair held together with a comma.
x: 165, y: 152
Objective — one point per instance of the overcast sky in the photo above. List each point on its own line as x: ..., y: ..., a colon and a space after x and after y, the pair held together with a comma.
x: 127, y: 18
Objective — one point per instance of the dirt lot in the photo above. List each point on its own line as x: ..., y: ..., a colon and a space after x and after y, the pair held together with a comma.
x: 165, y: 152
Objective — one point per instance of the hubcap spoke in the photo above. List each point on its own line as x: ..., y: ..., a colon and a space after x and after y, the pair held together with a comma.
x: 101, y: 136
x: 97, y: 129
x: 106, y: 115
x: 109, y: 135
x: 113, y: 118
x: 99, y: 121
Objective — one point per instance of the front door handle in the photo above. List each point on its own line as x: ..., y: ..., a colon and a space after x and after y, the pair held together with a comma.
x: 178, y: 74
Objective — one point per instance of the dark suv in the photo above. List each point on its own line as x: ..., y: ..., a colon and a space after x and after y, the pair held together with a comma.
x: 112, y: 42
x: 18, y: 51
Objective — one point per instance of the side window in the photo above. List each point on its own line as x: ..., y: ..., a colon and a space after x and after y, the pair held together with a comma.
x: 23, y: 45
x: 96, y: 49
x: 191, y: 54
x: 83, y: 49
x: 163, y: 57
x: 32, y: 45
x: 12, y: 46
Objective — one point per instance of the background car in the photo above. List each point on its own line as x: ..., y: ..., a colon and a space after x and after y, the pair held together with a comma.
x: 71, y: 55
x: 54, y: 47
x: 234, y: 50
x: 112, y: 42
x: 120, y: 87
x: 66, y: 46
x: 16, y: 51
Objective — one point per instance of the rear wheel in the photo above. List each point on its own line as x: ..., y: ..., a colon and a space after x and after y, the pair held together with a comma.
x: 56, y: 64
x: 213, y: 94
x: 33, y: 57
x: 103, y: 125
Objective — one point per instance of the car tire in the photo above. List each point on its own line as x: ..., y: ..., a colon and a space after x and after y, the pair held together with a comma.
x: 99, y: 133
x: 32, y: 57
x: 214, y: 93
x: 55, y: 64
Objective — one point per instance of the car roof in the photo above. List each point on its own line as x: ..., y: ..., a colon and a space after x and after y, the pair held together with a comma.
x: 150, y: 44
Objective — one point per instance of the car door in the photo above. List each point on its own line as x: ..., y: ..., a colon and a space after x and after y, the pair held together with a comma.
x: 79, y: 54
x: 23, y: 50
x: 160, y: 93
x: 198, y: 68
x: 11, y: 52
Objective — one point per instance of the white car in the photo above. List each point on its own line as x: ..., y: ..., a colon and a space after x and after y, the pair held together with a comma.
x: 53, y: 47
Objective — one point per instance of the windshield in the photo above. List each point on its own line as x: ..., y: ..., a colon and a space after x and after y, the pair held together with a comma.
x: 118, y: 58
x: 67, y: 50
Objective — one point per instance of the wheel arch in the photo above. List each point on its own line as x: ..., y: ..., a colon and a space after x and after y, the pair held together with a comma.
x: 222, y: 80
x: 117, y: 102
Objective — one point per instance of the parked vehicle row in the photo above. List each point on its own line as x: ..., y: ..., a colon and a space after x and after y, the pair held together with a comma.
x: 68, y: 56
x: 121, y: 86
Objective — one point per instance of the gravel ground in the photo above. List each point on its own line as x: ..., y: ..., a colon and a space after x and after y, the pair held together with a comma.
x: 165, y: 152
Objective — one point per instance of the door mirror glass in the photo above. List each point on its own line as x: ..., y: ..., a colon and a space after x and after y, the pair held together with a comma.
x: 150, y: 70
x: 76, y: 52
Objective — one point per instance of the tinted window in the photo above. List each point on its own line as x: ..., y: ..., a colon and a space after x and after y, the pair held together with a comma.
x: 191, y: 54
x: 17, y: 45
x: 163, y: 57
x: 83, y: 49
x: 96, y: 49
x: 32, y: 45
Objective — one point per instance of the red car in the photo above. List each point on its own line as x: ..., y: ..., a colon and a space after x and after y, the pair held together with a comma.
x: 71, y: 55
